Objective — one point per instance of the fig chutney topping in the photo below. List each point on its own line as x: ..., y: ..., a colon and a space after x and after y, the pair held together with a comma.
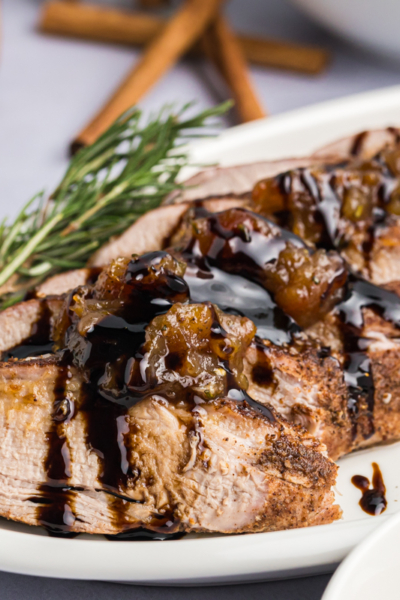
x: 135, y: 334
x: 348, y: 206
x: 303, y: 284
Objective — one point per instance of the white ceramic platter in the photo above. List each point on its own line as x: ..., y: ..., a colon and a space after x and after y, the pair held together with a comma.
x: 221, y: 559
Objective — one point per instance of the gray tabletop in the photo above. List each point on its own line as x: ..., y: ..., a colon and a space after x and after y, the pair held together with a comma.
x: 19, y: 587
x: 50, y: 87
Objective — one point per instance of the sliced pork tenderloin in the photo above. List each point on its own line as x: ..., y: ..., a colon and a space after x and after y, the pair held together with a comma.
x: 364, y: 144
x: 150, y: 425
x: 247, y: 474
x: 30, y: 322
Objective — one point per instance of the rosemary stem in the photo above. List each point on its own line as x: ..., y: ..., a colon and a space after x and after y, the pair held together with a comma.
x: 106, y: 188
x: 25, y: 253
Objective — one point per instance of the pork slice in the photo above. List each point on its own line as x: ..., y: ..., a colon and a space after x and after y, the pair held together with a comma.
x: 220, y: 468
x: 237, y: 180
x: 364, y: 144
x: 29, y: 409
x: 147, y: 234
x: 253, y: 477
x: 304, y: 387
x: 154, y: 230
x: 26, y: 406
x: 312, y: 392
x: 240, y: 179
x: 64, y: 282
x: 376, y: 420
x: 19, y: 323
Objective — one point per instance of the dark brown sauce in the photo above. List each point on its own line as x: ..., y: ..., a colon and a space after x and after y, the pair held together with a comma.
x: 106, y: 427
x: 238, y: 295
x: 144, y: 535
x: 23, y: 351
x: 373, y: 500
x: 358, y: 142
x: 325, y: 205
x: 234, y: 392
x: 233, y: 283
x: 55, y: 504
x: 396, y: 134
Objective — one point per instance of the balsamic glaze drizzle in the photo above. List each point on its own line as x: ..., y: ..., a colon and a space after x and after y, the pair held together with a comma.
x: 238, y: 295
x: 143, y: 535
x: 234, y: 391
x: 55, y: 504
x: 233, y: 283
x: 373, y: 501
x: 358, y: 142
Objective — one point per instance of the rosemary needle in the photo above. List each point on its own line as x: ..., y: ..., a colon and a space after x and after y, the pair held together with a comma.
x: 107, y: 186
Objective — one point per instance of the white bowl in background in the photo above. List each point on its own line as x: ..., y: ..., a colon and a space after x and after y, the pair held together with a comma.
x: 371, y: 571
x: 370, y: 23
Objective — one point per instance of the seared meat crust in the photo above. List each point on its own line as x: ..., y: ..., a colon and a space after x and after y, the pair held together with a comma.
x: 305, y: 388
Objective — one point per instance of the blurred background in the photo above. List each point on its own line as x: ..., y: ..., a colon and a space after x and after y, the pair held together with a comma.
x: 50, y: 86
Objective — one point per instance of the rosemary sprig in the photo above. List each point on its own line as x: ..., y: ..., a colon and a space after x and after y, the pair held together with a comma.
x: 107, y: 186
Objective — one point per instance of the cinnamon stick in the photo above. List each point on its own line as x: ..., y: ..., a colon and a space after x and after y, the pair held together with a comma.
x: 92, y: 22
x: 102, y: 24
x: 222, y: 46
x: 178, y: 35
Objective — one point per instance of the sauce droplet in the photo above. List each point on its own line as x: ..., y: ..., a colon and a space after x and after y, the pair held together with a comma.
x: 373, y: 500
